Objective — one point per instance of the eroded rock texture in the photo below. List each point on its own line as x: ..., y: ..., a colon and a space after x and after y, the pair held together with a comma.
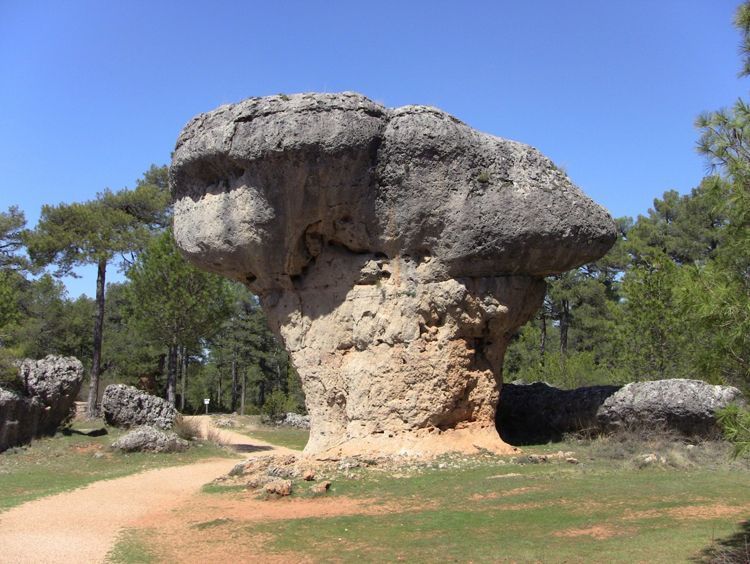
x: 127, y: 406
x: 394, y: 251
x: 44, y: 402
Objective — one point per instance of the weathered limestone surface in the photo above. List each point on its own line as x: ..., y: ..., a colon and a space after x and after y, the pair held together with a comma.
x: 45, y: 401
x: 685, y: 406
x: 127, y: 406
x: 150, y: 439
x: 394, y: 251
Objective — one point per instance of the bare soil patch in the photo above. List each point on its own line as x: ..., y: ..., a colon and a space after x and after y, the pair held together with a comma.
x: 598, y: 532
x: 223, y: 532
x: 692, y: 512
x: 506, y: 493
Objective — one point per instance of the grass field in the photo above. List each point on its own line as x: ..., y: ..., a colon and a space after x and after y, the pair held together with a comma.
x: 65, y: 462
x: 609, y: 507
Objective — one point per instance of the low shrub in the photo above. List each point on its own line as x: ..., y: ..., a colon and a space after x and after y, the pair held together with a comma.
x: 735, y: 423
x: 277, y: 404
x: 188, y: 429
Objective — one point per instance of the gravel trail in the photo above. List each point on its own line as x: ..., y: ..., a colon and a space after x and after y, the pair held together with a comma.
x: 82, y: 525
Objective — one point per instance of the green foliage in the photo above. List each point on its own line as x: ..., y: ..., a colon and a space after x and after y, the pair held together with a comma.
x: 169, y: 299
x: 93, y: 232
x: 71, y: 235
x: 742, y: 22
x: 735, y: 423
x: 9, y: 377
x: 725, y: 282
x: 173, y: 303
x: 50, y: 323
x: 244, y: 354
x: 277, y: 404
x: 128, y: 351
x: 12, y: 223
x: 573, y: 370
x: 716, y: 305
x: 11, y: 284
x: 652, y: 331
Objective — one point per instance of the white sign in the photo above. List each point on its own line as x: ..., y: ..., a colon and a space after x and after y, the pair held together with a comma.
x: 206, y: 401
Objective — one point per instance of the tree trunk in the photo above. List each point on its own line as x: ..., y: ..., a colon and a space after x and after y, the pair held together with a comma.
x: 543, y: 340
x: 172, y: 375
x: 242, y: 398
x: 234, y: 382
x: 564, y: 324
x: 218, y: 393
x: 178, y: 375
x: 96, y: 364
x: 261, y: 393
x: 185, y: 359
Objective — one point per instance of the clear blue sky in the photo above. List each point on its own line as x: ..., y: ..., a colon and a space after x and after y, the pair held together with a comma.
x: 93, y: 92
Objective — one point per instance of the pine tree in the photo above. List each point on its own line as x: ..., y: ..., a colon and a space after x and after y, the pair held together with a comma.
x: 95, y: 232
x: 174, y: 303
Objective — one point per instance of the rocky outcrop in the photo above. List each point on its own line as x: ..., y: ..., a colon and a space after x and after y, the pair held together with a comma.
x: 150, y: 439
x: 684, y: 406
x: 55, y: 381
x: 394, y: 252
x: 538, y: 413
x: 126, y: 406
x: 45, y: 401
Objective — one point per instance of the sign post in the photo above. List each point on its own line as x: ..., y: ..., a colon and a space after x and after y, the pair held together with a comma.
x: 206, y: 401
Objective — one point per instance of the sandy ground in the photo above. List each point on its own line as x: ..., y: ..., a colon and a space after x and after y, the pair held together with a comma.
x: 81, y: 526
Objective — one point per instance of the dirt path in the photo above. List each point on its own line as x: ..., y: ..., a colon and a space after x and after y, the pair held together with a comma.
x: 81, y: 526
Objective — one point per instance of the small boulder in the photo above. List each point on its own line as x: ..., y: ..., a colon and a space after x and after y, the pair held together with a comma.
x: 126, y: 406
x: 150, y: 439
x: 279, y: 487
x: 237, y: 470
x: 321, y: 488
x: 225, y: 422
x: 296, y: 420
x: 282, y: 471
x: 308, y: 475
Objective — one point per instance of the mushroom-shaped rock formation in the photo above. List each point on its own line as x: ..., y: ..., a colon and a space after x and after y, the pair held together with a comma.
x: 394, y: 251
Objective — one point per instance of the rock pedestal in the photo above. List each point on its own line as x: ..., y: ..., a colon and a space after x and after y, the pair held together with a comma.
x: 403, y: 362
x: 395, y: 251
